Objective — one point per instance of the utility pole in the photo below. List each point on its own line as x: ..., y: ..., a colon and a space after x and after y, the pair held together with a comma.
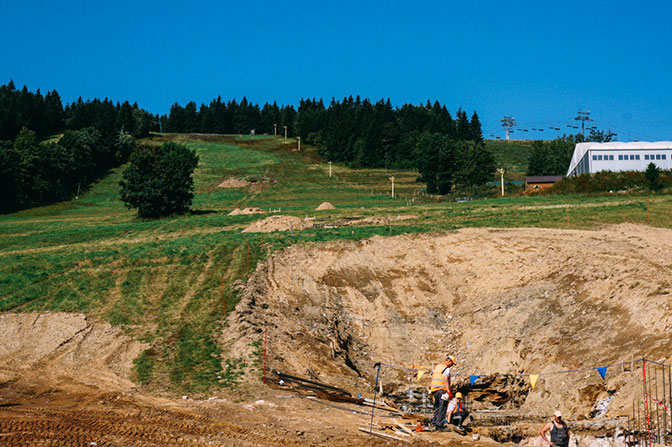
x: 298, y: 140
x: 285, y: 131
x: 507, y: 123
x: 583, y: 116
x: 392, y: 178
x: 275, y: 129
x: 502, y: 171
x: 160, y: 125
x: 329, y: 169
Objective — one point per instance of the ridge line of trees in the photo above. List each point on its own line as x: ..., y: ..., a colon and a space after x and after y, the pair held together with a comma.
x: 96, y: 136
x: 99, y: 134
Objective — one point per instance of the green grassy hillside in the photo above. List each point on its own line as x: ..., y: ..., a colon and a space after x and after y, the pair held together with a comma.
x: 169, y: 282
x: 512, y: 155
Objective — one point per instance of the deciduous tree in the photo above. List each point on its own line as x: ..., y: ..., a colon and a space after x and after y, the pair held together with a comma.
x: 158, y: 180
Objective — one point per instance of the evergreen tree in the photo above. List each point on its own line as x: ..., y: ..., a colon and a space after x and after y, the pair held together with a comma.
x: 475, y: 132
x: 462, y: 131
x: 287, y: 118
x: 53, y: 111
x: 125, y: 119
x: 11, y: 178
x: 435, y: 161
x: 652, y: 175
x: 191, y: 120
x: 475, y: 164
x: 176, y: 119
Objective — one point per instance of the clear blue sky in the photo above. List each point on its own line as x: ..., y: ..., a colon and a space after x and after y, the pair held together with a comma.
x: 538, y: 61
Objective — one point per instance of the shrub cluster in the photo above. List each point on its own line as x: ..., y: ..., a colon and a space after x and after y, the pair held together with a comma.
x: 607, y: 181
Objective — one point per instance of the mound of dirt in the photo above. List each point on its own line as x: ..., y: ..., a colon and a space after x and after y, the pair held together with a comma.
x: 233, y: 182
x: 64, y: 349
x: 325, y: 206
x: 278, y: 223
x: 516, y: 301
x: 381, y: 220
x: 241, y: 211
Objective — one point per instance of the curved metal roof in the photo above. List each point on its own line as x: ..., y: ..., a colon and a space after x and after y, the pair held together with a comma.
x: 581, y: 149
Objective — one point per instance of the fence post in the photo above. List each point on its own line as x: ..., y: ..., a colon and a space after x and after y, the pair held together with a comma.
x: 646, y: 402
x: 375, y: 390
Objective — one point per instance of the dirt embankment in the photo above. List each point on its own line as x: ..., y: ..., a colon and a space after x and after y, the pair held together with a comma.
x: 64, y: 381
x: 61, y: 350
x: 515, y: 301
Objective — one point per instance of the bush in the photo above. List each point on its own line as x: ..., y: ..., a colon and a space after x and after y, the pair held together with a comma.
x: 158, y: 181
x: 606, y: 181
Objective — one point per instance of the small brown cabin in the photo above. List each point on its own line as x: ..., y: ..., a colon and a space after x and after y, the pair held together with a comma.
x: 539, y: 182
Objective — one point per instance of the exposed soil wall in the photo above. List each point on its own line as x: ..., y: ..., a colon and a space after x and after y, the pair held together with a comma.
x: 63, y: 350
x: 502, y: 301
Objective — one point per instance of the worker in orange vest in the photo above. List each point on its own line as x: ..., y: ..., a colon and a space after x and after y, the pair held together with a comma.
x: 440, y: 389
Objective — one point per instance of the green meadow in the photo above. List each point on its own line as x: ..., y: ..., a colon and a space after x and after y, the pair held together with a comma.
x: 168, y: 282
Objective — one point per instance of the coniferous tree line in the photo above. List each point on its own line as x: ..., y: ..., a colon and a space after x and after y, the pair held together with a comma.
x: 97, y: 135
x: 353, y: 131
x: 448, y: 152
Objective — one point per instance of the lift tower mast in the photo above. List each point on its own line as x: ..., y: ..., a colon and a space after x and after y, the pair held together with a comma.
x: 583, y: 116
x: 507, y: 123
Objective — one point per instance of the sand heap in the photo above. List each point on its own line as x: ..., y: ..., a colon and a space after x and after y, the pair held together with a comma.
x: 233, y: 182
x: 325, y: 206
x: 239, y: 211
x: 278, y: 223
x: 381, y: 220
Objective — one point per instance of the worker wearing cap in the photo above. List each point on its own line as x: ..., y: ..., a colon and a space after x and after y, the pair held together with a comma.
x: 456, y: 414
x: 440, y: 389
x: 559, y: 431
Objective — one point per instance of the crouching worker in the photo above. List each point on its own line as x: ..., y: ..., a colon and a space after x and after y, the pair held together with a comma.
x: 456, y: 414
x: 440, y: 389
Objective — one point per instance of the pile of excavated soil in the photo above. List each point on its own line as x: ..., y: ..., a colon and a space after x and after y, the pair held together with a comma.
x: 515, y: 301
x: 241, y: 211
x: 381, y: 220
x: 64, y: 349
x: 278, y: 223
x: 325, y: 206
x: 233, y: 182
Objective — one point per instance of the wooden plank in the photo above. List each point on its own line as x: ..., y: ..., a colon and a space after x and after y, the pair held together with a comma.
x: 381, y: 407
x: 382, y: 435
x: 403, y: 427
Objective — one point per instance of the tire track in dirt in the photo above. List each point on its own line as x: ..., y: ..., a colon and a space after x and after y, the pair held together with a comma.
x: 77, y: 427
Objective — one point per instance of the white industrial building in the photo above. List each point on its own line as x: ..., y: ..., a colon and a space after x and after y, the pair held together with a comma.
x: 636, y: 156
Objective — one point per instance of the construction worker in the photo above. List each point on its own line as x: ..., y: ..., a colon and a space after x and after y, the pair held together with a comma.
x: 440, y: 389
x: 456, y: 414
x: 559, y: 431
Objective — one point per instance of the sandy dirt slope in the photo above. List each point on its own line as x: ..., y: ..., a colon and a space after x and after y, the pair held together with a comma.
x: 503, y: 301
x: 64, y: 381
x: 63, y: 350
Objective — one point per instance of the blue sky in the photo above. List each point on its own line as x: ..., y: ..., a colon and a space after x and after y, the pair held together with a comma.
x: 538, y: 61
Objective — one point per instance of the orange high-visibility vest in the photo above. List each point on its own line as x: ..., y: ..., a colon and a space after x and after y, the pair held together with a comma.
x: 437, y: 379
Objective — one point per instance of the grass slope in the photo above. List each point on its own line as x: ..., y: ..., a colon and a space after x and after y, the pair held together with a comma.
x: 169, y: 282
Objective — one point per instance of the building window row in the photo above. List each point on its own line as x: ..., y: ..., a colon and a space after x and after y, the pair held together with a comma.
x: 631, y: 157
x: 603, y: 157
